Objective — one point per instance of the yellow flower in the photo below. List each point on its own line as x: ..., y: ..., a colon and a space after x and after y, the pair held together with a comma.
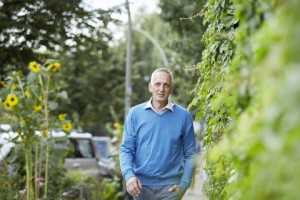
x: 40, y: 98
x: 2, y: 85
x: 117, y: 126
x: 13, y: 87
x: 44, y: 133
x: 67, y: 126
x: 62, y: 117
x: 33, y: 66
x: 37, y: 108
x: 50, y: 66
x: 57, y: 66
x: 6, y: 105
x: 12, y: 99
x: 53, y: 66
x: 27, y: 92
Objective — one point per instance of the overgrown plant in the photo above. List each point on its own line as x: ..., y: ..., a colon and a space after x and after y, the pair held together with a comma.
x: 253, y: 155
x: 28, y: 101
x: 219, y: 40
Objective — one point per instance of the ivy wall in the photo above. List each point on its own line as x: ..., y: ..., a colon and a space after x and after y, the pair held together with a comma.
x: 249, y: 94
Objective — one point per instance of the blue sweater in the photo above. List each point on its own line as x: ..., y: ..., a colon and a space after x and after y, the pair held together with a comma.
x: 157, y: 148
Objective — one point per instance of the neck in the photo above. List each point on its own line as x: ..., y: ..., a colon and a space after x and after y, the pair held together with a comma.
x: 158, y: 105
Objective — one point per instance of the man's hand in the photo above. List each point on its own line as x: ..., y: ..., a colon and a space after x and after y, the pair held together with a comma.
x: 133, y: 186
x: 178, y: 189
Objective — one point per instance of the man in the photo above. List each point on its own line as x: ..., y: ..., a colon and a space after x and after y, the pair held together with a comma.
x: 158, y: 147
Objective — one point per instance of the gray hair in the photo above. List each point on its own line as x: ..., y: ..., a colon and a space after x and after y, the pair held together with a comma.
x: 162, y: 70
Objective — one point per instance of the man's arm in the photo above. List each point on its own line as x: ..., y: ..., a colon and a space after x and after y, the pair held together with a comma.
x: 127, y: 152
x: 189, y: 151
x: 127, y: 148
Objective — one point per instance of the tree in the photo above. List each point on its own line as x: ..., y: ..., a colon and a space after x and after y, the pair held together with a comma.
x: 185, y: 19
x: 95, y: 86
x: 64, y: 31
x: 33, y: 30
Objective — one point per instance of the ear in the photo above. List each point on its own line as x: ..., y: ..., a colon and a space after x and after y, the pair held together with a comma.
x: 172, y: 89
x: 150, y: 87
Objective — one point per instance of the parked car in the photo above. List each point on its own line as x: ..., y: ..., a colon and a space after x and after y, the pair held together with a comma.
x: 102, y: 146
x: 81, y: 154
x: 107, y: 164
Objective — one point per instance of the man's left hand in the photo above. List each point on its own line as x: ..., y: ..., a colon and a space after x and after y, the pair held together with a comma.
x: 178, y: 189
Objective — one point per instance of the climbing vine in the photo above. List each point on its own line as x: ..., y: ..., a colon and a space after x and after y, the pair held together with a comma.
x: 248, y: 95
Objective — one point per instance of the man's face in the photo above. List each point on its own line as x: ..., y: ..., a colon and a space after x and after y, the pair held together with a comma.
x: 161, y: 87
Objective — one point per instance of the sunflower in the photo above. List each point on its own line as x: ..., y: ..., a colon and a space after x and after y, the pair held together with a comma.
x: 12, y: 99
x: 67, y: 126
x: 53, y: 66
x: 37, y: 108
x: 44, y: 133
x: 56, y: 66
x: 62, y: 117
x: 2, y: 85
x: 33, y: 66
x: 7, y: 105
x: 117, y: 126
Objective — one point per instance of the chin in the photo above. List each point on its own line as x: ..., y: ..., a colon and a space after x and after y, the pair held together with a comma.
x: 161, y: 99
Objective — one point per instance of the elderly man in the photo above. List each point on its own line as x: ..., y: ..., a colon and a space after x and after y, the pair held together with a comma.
x: 158, y: 146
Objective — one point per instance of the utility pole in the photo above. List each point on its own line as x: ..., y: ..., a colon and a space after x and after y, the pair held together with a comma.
x: 128, y: 88
x: 155, y: 43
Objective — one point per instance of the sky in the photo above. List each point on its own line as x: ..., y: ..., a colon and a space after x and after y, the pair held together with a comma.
x: 149, y: 6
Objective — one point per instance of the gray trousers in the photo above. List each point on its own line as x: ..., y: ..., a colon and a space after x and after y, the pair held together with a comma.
x: 157, y: 193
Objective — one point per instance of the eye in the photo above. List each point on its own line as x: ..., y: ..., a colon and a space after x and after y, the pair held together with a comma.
x: 166, y: 85
x: 157, y: 84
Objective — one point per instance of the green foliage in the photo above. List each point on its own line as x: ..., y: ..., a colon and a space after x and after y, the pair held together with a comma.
x: 78, y: 186
x: 10, y: 186
x: 29, y: 100
x: 184, y: 45
x: 94, y: 85
x: 35, y: 30
x: 182, y: 17
x: 110, y: 190
x: 251, y: 98
x: 216, y: 59
x: 271, y: 122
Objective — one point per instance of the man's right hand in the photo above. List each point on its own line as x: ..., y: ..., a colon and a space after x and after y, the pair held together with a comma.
x: 133, y: 186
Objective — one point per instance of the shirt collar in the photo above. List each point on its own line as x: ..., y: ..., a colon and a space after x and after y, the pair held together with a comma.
x: 169, y: 105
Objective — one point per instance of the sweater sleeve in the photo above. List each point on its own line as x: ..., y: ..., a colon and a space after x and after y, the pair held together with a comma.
x: 127, y: 148
x: 189, y: 151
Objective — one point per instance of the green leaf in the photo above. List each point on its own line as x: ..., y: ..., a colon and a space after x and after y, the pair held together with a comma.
x: 31, y: 78
x: 53, y: 105
x: 62, y: 95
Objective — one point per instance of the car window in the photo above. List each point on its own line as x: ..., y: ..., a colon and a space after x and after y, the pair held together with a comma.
x: 102, y: 148
x: 82, y: 148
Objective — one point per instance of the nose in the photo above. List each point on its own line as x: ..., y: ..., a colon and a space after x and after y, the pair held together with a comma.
x: 161, y: 87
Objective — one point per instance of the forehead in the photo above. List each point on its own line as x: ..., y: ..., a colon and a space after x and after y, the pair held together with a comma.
x: 162, y: 76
